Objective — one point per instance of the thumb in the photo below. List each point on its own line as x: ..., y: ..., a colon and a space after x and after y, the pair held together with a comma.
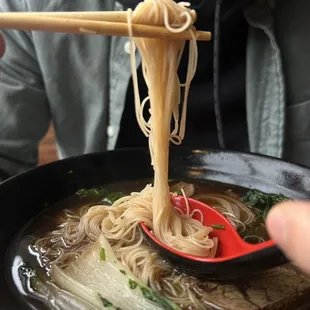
x: 288, y: 224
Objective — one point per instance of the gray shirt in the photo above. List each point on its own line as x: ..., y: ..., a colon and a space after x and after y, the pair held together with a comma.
x: 80, y: 82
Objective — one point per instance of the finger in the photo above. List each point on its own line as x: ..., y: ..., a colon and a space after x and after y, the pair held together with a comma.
x: 288, y: 224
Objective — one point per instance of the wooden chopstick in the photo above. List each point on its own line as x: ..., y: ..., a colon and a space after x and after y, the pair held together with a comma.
x: 82, y: 25
x: 107, y: 16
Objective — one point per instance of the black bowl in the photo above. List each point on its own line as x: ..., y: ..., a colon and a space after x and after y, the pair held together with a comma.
x: 26, y: 195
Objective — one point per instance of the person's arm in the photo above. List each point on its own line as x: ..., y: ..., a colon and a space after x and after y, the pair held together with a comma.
x: 24, y: 112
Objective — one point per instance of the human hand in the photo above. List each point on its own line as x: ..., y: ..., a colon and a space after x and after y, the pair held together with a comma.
x: 288, y: 224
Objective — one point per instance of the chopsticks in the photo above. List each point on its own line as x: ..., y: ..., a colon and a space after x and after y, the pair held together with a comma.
x: 96, y: 23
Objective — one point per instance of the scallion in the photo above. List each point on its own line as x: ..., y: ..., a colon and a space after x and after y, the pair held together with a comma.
x: 218, y: 226
x: 102, y: 254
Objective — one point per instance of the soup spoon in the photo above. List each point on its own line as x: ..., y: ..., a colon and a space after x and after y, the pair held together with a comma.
x: 235, y: 258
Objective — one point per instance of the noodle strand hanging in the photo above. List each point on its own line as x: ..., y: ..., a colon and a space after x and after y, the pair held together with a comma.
x: 160, y: 62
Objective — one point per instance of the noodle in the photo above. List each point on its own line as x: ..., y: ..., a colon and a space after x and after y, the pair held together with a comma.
x: 160, y: 61
x: 142, y: 260
x: 236, y: 212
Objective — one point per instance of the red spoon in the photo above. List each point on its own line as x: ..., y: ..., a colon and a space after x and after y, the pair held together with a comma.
x: 234, y: 257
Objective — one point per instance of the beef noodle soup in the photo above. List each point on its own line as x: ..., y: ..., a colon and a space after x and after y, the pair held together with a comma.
x: 70, y: 234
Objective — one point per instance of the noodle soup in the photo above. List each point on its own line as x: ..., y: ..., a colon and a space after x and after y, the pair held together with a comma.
x: 46, y: 243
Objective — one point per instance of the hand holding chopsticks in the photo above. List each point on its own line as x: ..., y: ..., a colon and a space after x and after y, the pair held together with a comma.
x: 97, y: 23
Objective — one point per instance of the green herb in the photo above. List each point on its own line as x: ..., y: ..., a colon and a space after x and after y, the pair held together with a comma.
x: 218, y: 226
x: 261, y: 201
x: 34, y: 282
x: 132, y: 284
x: 123, y: 272
x: 164, y: 303
x: 102, y: 254
x: 147, y: 293
x: 97, y: 193
x: 178, y: 193
x: 153, y: 296
x: 176, y: 285
x: 105, y: 302
x: 112, y: 197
